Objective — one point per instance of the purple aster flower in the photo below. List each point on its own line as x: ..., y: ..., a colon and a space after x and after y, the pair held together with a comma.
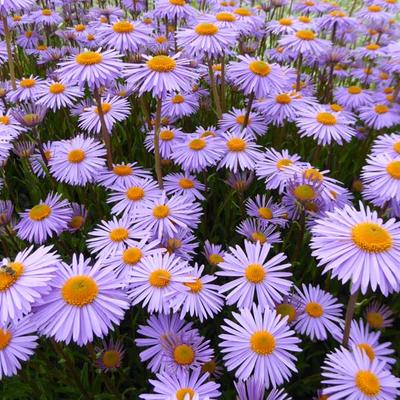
x: 378, y: 316
x: 9, y: 126
x: 6, y: 211
x: 28, y: 89
x: 47, y: 219
x: 184, y: 184
x: 266, y: 210
x: 177, y: 105
x: 250, y: 389
x: 337, y: 20
x: 131, y: 195
x: 169, y: 139
x: 46, y: 16
x: 241, y: 151
x: 36, y: 159
x: 14, y: 5
x: 227, y: 19
x: 160, y: 74
x: 371, y: 51
x: 256, y: 231
x: 165, y: 215
x: 153, y: 334
x: 94, y: 68
x: 83, y: 301
x: 58, y: 94
x: 17, y: 343
x: 199, y: 297
x: 197, y: 152
x: 155, y: 278
x: 124, y: 36
x: 265, y: 341
x: 305, y: 42
x: 113, y: 236
x: 213, y: 253
x: 255, y: 276
x: 29, y: 115
x: 308, y: 7
x: 282, y: 26
x: 191, y: 385
x: 78, y: 218
x: 378, y: 116
x: 182, y: 243
x: 254, y: 76
x: 109, y: 356
x: 373, y: 14
x: 352, y: 97
x: 24, y: 149
x: 240, y: 181
x: 358, y: 246
x: 115, y: 109
x: 250, y: 17
x: 206, y: 39
x: 350, y: 374
x: 24, y: 280
x: 78, y: 161
x: 28, y: 39
x: 320, y: 313
x: 174, y: 9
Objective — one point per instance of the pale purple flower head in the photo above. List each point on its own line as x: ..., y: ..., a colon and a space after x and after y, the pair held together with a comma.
x: 184, y: 184
x: 378, y: 315
x: 58, y: 94
x: 305, y: 42
x: 256, y: 231
x: 28, y: 89
x: 109, y: 355
x: 378, y: 115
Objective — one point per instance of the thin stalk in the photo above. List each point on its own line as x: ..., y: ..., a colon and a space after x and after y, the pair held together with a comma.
x: 249, y: 105
x: 349, y: 317
x: 157, y: 144
x: 299, y: 65
x: 7, y: 35
x: 223, y: 97
x: 214, y: 90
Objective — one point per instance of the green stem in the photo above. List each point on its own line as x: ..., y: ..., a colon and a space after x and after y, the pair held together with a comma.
x: 349, y: 317
x: 7, y: 35
x: 157, y: 156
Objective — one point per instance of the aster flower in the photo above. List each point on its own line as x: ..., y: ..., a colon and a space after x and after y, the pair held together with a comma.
x: 250, y: 389
x: 325, y: 126
x: 197, y: 152
x: 358, y: 246
x: 46, y: 16
x: 164, y: 215
x: 78, y: 218
x: 282, y: 26
x: 160, y: 74
x: 115, y: 109
x: 109, y: 356
x: 131, y: 195
x: 11, y: 5
x: 256, y: 231
x: 206, y: 38
x: 373, y: 14
x: 47, y: 219
x: 29, y: 115
x: 182, y: 243
x: 234, y: 121
x: 254, y: 76
x: 320, y: 313
x: 17, y: 343
x: 185, y: 185
x: 36, y: 159
x: 123, y: 35
x: 6, y: 211
x: 305, y: 42
x: 24, y: 280
x: 192, y: 385
x: 58, y: 94
x: 77, y: 161
x: 178, y: 105
x: 266, y: 211
x: 83, y: 301
x: 113, y: 236
x: 174, y: 9
x: 199, y: 297
x: 240, y: 181
x: 213, y: 253
x: 255, y: 276
x: 169, y: 138
x: 155, y: 278
x: 9, y: 126
x: 352, y: 97
x: 28, y: 89
x: 152, y: 335
x: 351, y: 373
x: 336, y: 20
x: 266, y: 342
x: 94, y: 68
x: 378, y: 316
x: 378, y: 116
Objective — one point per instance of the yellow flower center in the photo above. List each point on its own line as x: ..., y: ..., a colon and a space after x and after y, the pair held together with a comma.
x: 236, y: 144
x: 209, y: 366
x: 16, y: 18
x: 166, y: 135
x: 56, y: 88
x: 183, y: 354
x: 105, y: 107
x: 39, y: 212
x: 27, y: 83
x: 372, y: 46
x: 262, y: 343
x: 132, y: 256
x: 354, y: 90
x: 111, y: 358
x: 304, y: 193
x: 326, y: 118
x: 368, y: 383
x: 286, y: 21
x: 286, y: 310
x: 41, y: 47
x: 28, y: 34
x: 89, y: 58
x: 206, y: 29
x: 161, y: 64
x: 5, y: 338
x: 135, y: 193
x: 215, y: 259
x: 313, y: 174
x: 371, y: 237
x: 173, y: 245
x: 76, y: 156
x: 305, y: 35
x: 368, y: 350
x: 337, y: 13
x: 195, y: 287
x: 80, y: 27
x: 119, y: 234
x: 76, y: 222
x: 186, y: 183
x: 90, y: 37
x: 314, y: 310
x: 243, y: 12
x: 388, y: 90
x: 393, y: 169
x: 260, y: 68
x: 160, y: 211
x: 161, y: 39
x: 304, y: 19
x: 241, y: 118
x: 381, y: 109
x: 225, y: 17
x: 178, y: 2
x: 265, y: 212
x: 79, y: 290
x: 123, y: 27
x: 122, y: 170
x: 197, y: 144
x: 374, y: 8
x: 335, y: 107
x: 284, y: 162
x: 375, y: 319
x: 4, y: 120
x: 283, y: 98
x: 10, y: 274
x: 159, y: 278
x: 178, y: 99
x: 255, y: 273
x: 46, y: 12
x: 258, y: 237
x: 185, y: 394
